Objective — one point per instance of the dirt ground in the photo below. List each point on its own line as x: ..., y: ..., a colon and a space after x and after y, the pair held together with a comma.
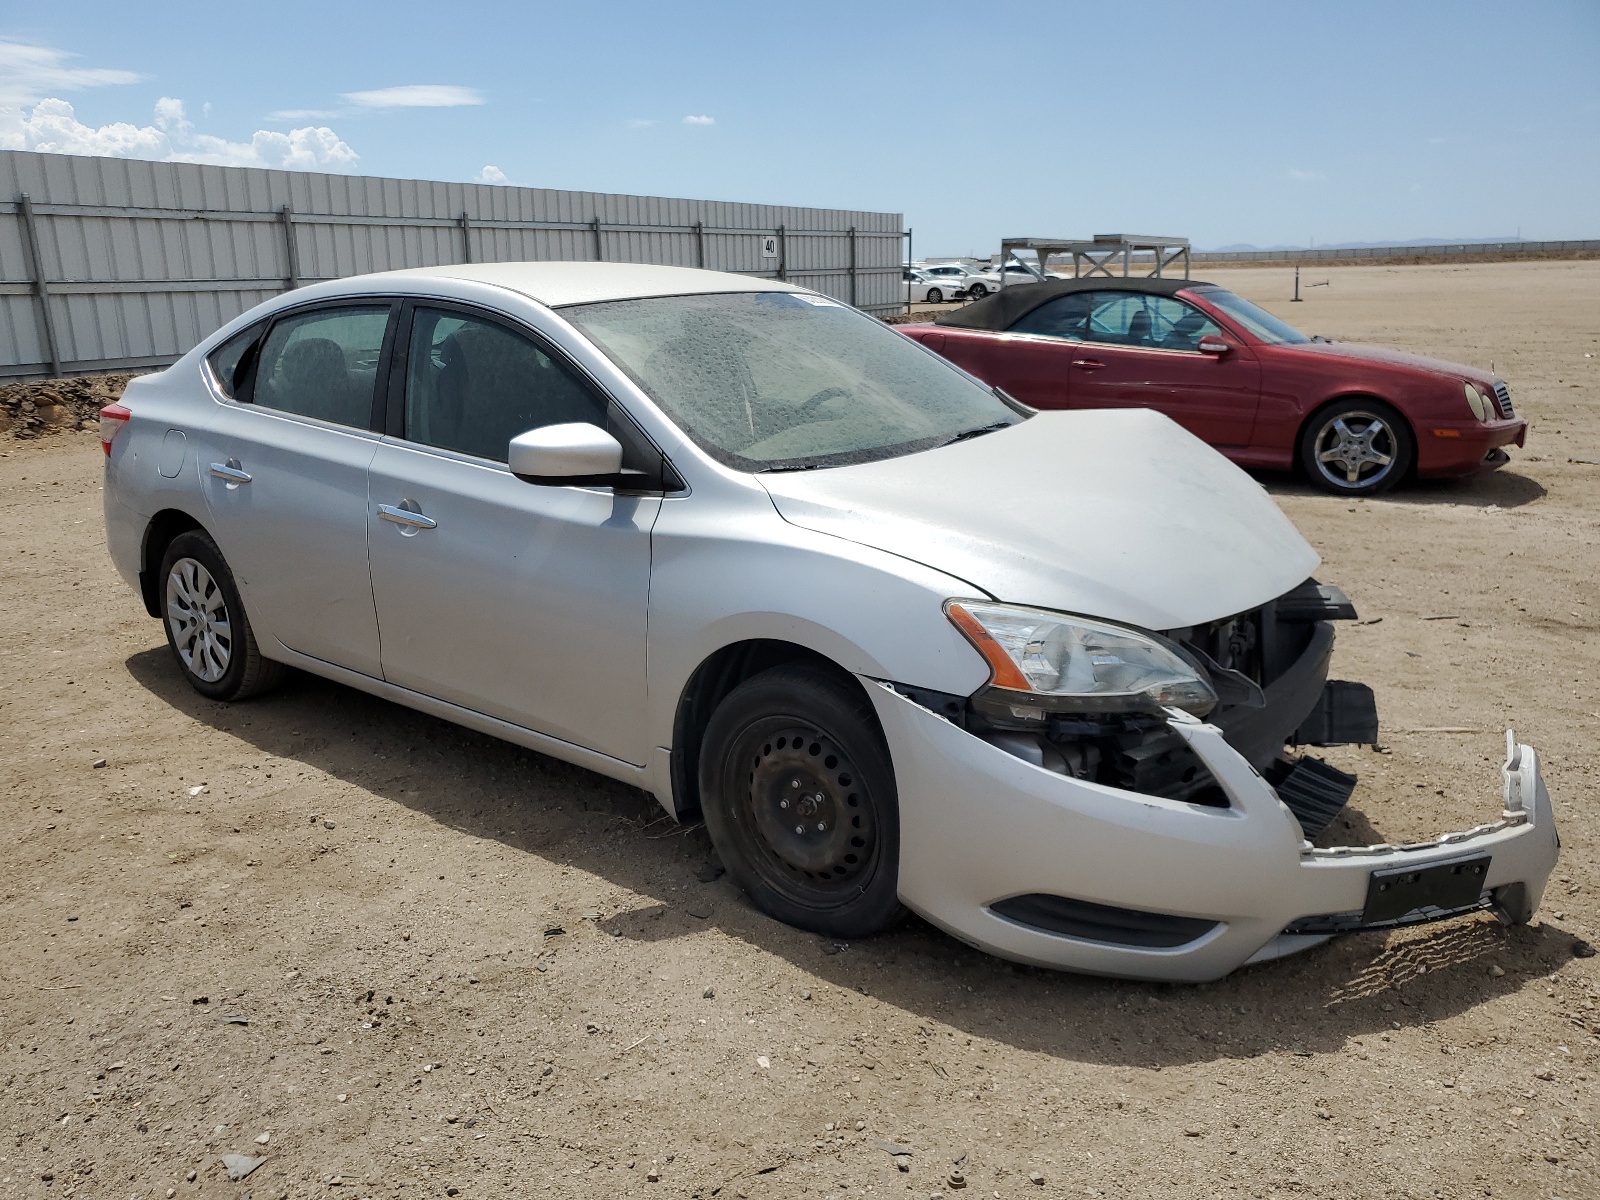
x: 394, y: 958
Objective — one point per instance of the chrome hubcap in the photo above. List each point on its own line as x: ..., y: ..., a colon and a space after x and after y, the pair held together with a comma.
x: 198, y: 618
x: 1355, y: 449
x: 808, y: 806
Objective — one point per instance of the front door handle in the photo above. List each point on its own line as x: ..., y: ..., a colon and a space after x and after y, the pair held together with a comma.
x: 406, y: 517
x: 1088, y: 364
x: 230, y: 472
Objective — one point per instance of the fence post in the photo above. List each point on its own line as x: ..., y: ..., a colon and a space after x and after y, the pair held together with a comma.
x: 291, y: 249
x: 599, y: 247
x: 466, y: 238
x: 783, y: 253
x: 853, y: 267
x: 41, y: 288
x: 700, y: 244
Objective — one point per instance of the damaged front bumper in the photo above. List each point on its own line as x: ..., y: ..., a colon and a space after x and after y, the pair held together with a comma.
x: 1048, y: 869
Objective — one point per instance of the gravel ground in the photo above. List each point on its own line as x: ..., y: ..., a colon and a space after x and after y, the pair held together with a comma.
x: 390, y: 957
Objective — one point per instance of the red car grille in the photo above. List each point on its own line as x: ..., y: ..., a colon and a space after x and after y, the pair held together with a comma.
x: 1502, y: 397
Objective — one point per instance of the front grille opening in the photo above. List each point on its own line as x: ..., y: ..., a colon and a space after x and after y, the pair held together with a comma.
x: 1502, y: 399
x: 1102, y: 922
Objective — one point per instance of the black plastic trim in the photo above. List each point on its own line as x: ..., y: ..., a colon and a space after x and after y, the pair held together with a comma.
x: 1102, y: 922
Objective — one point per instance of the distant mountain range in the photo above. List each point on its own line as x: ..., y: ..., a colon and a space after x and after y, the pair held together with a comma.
x: 1364, y: 245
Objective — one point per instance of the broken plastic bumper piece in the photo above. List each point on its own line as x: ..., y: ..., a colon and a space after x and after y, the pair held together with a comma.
x: 1049, y: 869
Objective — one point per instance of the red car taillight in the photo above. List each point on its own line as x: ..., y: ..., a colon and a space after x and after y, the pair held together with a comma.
x: 112, y: 418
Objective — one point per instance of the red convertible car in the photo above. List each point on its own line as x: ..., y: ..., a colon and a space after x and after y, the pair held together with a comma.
x: 1357, y: 419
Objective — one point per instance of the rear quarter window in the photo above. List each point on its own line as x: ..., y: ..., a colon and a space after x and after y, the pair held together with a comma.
x: 227, y: 359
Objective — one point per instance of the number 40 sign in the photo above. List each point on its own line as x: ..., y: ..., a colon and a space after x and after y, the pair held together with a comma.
x: 769, y: 247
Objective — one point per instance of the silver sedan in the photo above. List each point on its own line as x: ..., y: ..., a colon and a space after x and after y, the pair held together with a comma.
x: 1046, y: 679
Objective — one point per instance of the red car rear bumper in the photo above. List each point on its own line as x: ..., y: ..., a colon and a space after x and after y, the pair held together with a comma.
x: 1448, y: 450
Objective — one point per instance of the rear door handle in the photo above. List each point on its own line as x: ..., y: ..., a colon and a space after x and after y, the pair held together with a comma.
x: 404, y: 516
x: 1088, y: 364
x: 231, y: 472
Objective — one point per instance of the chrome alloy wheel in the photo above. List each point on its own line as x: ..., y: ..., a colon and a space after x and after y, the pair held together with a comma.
x: 1356, y: 449
x: 809, y: 808
x: 197, y: 614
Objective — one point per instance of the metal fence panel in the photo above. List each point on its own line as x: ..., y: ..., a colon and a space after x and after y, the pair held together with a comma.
x: 130, y: 262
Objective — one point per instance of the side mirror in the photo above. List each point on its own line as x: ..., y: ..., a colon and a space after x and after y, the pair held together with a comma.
x: 1212, y: 345
x: 566, y: 455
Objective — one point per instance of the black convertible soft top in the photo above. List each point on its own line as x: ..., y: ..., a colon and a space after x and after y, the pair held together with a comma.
x: 1002, y: 309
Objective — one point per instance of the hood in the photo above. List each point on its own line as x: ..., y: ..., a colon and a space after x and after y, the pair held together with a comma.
x: 1392, y: 358
x: 1119, y: 514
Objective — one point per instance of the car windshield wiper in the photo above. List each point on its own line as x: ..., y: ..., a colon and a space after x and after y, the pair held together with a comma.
x: 978, y: 432
x: 809, y: 466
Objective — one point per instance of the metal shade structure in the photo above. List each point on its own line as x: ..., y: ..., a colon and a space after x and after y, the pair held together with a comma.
x: 1099, y: 253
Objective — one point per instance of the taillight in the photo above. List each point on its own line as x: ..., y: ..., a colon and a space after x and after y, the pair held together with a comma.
x: 112, y: 418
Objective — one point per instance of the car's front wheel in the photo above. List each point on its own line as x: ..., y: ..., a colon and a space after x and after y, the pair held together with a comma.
x: 935, y: 296
x: 977, y: 291
x: 798, y: 795
x: 207, y: 629
x: 1357, y: 447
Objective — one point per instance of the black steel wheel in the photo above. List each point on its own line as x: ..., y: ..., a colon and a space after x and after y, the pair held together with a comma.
x: 207, y: 629
x: 1357, y: 447
x: 798, y: 795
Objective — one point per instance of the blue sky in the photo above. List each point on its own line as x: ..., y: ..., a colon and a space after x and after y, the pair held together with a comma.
x: 1259, y: 123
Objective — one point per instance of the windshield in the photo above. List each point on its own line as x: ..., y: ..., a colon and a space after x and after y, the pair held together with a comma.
x: 1258, y: 321
x: 778, y: 380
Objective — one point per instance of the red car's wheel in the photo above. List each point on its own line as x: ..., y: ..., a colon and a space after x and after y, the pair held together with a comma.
x: 1357, y: 447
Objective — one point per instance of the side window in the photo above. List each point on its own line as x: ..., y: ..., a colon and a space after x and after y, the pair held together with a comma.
x: 227, y: 358
x: 472, y: 385
x: 323, y: 364
x: 1175, y: 325
x: 1152, y: 322
x: 1064, y: 317
x: 1117, y: 317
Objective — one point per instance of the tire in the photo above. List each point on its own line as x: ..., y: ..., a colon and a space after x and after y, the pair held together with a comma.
x: 1357, y: 447
x: 787, y: 752
x: 935, y: 296
x: 207, y: 629
x: 977, y: 291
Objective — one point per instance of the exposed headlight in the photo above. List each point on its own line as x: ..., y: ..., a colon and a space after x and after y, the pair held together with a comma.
x: 1475, y: 401
x: 1044, y: 661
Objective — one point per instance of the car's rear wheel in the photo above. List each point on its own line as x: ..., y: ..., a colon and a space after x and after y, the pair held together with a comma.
x: 1357, y: 447
x: 207, y: 629
x: 935, y: 296
x: 798, y: 794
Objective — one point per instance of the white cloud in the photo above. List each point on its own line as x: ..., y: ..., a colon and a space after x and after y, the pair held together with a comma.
x: 641, y: 123
x: 53, y: 127
x: 1305, y: 176
x: 491, y: 174
x: 28, y: 74
x: 416, y: 95
x: 304, y: 114
x: 692, y: 120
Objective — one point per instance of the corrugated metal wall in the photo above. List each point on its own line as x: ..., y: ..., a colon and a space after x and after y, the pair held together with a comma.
x: 130, y: 263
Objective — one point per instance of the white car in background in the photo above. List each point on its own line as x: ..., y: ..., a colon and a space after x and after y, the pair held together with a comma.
x: 1014, y: 274
x: 900, y: 641
x: 958, y: 275
x: 921, y: 288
